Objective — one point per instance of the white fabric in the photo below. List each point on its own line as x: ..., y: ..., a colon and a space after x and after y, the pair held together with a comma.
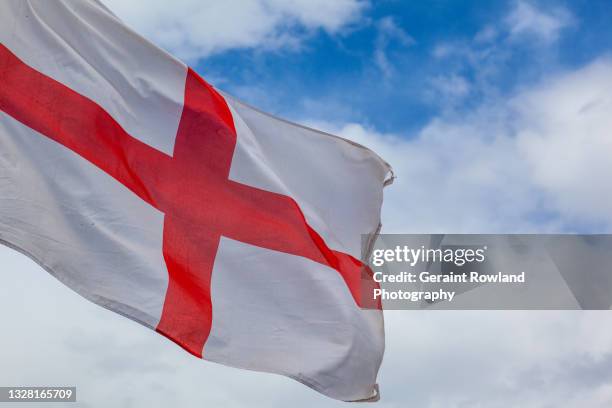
x: 289, y: 315
x: 278, y: 312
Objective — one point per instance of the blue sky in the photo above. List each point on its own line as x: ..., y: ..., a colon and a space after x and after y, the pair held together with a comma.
x: 343, y: 71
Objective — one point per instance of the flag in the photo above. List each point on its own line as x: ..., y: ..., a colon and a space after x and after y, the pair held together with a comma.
x: 233, y: 233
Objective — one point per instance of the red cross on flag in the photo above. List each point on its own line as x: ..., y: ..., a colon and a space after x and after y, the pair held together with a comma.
x: 235, y: 234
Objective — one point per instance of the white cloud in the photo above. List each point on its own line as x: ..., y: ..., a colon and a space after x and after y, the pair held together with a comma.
x: 538, y: 161
x: 566, y: 141
x: 486, y: 35
x: 546, y: 25
x: 388, y: 32
x: 451, y: 87
x: 193, y: 29
x: 491, y: 49
x: 497, y: 359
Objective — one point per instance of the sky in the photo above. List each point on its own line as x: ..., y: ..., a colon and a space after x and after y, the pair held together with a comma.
x: 496, y: 117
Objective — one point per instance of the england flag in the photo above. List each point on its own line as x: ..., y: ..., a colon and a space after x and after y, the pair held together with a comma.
x: 235, y: 234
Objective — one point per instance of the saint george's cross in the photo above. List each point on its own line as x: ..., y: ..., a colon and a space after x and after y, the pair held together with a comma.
x: 191, y: 187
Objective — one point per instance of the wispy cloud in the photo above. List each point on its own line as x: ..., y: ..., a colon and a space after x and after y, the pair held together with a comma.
x: 527, y: 20
x: 480, y: 63
x: 451, y: 87
x: 388, y: 32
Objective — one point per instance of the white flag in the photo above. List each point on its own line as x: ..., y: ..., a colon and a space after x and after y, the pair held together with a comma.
x: 233, y: 233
